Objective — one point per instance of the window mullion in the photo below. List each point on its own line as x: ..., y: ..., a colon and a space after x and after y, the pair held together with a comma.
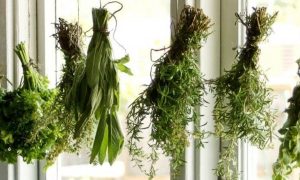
x: 46, y: 55
x: 232, y: 35
x: 209, y: 55
x: 175, y: 9
x: 229, y: 40
x: 23, y: 24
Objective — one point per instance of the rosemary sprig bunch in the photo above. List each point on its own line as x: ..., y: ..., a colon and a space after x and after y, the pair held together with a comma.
x: 242, y: 109
x: 289, y: 150
x: 170, y: 98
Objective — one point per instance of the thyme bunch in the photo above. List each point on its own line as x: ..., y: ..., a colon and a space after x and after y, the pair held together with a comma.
x: 171, y: 97
x: 242, y: 109
x: 289, y: 150
x: 69, y: 38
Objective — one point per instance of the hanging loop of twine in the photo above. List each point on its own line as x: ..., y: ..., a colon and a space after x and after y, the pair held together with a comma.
x: 114, y: 2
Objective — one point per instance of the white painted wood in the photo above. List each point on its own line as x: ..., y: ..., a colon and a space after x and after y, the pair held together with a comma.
x: 25, y: 171
x: 7, y: 171
x: 210, y: 56
x: 46, y: 55
x: 32, y: 29
x: 232, y: 36
x: 191, y: 2
x: 6, y: 41
x: 229, y: 40
x: 46, y: 52
x: 23, y: 32
x: 243, y: 150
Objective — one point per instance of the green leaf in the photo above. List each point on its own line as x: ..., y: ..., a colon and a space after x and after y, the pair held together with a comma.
x: 98, y: 138
x: 116, y: 139
x: 122, y: 60
x: 98, y: 52
x: 103, y: 148
x: 124, y: 69
x: 80, y: 124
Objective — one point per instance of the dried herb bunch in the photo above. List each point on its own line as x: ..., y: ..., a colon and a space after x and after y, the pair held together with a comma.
x: 69, y: 38
x: 289, y: 150
x: 170, y: 98
x: 242, y: 109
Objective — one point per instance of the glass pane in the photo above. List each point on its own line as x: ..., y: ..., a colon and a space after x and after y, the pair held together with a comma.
x: 278, y: 58
x: 141, y: 25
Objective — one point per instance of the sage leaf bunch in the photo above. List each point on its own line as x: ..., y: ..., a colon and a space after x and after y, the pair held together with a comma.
x: 95, y: 92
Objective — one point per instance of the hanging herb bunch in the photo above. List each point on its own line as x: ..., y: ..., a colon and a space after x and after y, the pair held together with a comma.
x: 94, y: 95
x: 25, y: 128
x: 289, y: 150
x: 170, y: 99
x: 69, y: 38
x: 242, y: 109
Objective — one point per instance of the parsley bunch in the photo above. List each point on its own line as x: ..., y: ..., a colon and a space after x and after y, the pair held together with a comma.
x: 25, y: 129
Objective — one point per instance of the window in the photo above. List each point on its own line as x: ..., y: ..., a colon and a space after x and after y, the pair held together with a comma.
x: 142, y: 25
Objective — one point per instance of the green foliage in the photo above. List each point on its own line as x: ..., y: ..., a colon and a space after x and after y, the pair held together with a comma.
x: 24, y: 129
x: 289, y: 150
x: 69, y: 38
x: 95, y: 92
x: 170, y: 100
x: 242, y: 109
x: 120, y: 65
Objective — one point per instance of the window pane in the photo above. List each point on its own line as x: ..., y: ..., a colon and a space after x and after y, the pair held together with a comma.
x: 278, y: 58
x: 142, y: 25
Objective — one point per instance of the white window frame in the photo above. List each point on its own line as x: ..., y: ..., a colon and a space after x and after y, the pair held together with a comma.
x: 215, y: 56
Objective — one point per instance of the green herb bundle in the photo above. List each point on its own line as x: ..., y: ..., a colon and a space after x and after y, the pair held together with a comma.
x: 24, y: 129
x: 242, y: 109
x: 69, y: 38
x: 170, y: 99
x: 95, y: 92
x: 289, y: 150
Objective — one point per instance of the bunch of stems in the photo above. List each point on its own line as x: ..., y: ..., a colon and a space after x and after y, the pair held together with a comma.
x: 170, y: 99
x: 243, y: 101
